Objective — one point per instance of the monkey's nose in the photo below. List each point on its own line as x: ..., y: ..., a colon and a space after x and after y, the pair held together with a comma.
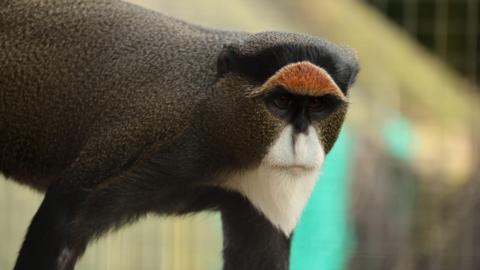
x: 301, y: 124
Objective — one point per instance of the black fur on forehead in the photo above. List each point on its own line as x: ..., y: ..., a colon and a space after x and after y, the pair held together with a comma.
x: 265, y: 53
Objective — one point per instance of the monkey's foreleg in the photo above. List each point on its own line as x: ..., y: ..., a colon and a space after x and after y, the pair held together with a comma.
x: 48, y: 231
x: 65, y: 224
x: 250, y: 240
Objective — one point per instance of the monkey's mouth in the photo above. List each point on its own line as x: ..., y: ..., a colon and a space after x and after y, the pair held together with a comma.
x: 293, y: 167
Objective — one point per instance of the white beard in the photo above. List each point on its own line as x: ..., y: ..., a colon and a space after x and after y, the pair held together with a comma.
x: 281, y: 185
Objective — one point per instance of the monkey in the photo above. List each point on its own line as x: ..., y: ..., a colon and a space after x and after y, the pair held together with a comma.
x: 115, y: 111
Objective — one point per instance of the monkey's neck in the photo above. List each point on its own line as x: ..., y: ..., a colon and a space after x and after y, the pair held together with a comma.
x: 278, y: 196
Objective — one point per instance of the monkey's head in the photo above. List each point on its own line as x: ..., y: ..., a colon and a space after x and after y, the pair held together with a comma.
x: 287, y: 88
x: 285, y: 97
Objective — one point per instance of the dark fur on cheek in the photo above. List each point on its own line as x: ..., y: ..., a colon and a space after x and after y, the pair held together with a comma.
x: 330, y: 127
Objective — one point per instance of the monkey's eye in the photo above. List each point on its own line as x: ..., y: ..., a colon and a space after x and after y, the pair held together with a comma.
x: 316, y: 105
x: 282, y: 102
x: 321, y: 107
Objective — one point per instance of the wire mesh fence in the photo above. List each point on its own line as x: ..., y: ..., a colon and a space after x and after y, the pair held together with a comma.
x: 450, y: 28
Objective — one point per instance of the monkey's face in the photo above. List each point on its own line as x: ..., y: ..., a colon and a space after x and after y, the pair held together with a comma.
x: 301, y: 97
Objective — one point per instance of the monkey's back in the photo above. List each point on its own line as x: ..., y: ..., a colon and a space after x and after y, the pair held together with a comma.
x: 71, y: 68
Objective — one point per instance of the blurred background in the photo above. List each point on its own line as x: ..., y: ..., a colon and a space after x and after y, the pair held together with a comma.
x: 400, y: 190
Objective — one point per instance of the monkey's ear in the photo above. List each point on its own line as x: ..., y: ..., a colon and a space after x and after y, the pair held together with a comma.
x: 227, y: 61
x: 351, y: 76
x: 348, y: 70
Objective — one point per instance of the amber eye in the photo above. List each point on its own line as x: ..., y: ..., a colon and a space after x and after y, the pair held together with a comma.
x: 315, y: 104
x: 282, y: 102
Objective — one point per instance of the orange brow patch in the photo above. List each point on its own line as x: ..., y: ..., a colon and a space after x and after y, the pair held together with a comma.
x: 302, y: 78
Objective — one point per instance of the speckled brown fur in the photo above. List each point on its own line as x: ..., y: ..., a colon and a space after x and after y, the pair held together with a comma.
x: 116, y: 111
